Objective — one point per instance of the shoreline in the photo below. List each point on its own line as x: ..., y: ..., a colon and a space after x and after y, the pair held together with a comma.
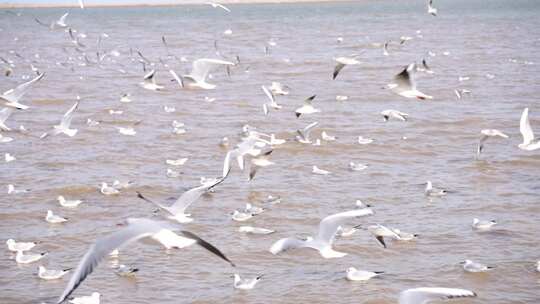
x: 164, y: 4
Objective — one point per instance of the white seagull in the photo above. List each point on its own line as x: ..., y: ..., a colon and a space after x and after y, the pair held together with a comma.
x: 136, y: 229
x: 94, y: 298
x: 255, y: 230
x: 317, y: 170
x: 199, y: 73
x: 405, y: 85
x: 342, y: 62
x: 423, y: 295
x: 470, y: 266
x: 307, y: 107
x: 354, y: 274
x: 483, y: 225
x: 487, y: 133
x: 303, y: 135
x: 245, y: 284
x: 22, y: 258
x: 54, y: 219
x: 65, y: 123
x: 106, y: 190
x: 11, y: 97
x: 279, y: 89
x: 49, y: 274
x: 387, y: 114
x: 217, y: 5
x: 19, y: 246
x: 430, y: 191
x: 177, y: 210
x: 260, y: 161
x: 68, y: 203
x: 149, y: 82
x: 529, y: 142
x: 273, y: 104
x: 430, y: 9
x: 380, y: 231
x: 323, y: 241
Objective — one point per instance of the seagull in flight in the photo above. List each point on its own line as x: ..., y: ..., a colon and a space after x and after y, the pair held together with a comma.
x: 177, y: 210
x: 342, y: 62
x: 149, y: 82
x: 64, y: 126
x: 217, y: 5
x: 387, y: 114
x: 323, y: 241
x: 273, y: 104
x: 11, y: 97
x: 199, y: 73
x: 529, y: 142
x: 486, y: 134
x: 405, y: 85
x: 303, y: 135
x: 430, y: 9
x: 136, y: 229
x: 423, y: 295
x: 307, y: 108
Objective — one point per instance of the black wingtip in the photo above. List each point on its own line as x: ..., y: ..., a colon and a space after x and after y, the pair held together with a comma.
x: 298, y: 114
x: 379, y: 272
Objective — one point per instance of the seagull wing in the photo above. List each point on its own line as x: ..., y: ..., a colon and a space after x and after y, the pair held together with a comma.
x: 269, y: 94
x: 149, y: 78
x: 137, y: 229
x: 525, y: 127
x: 285, y: 244
x: 206, y: 245
x: 337, y: 69
x: 15, y: 94
x: 4, y: 115
x: 426, y: 294
x: 190, y: 196
x: 178, y: 79
x: 308, y: 100
x: 307, y: 130
x: 223, y: 7
x: 201, y: 68
x: 66, y: 120
x: 481, y: 145
x: 329, y: 225
x: 404, y: 78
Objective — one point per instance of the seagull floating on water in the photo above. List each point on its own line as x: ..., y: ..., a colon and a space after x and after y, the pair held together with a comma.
x: 316, y: 170
x: 49, y: 274
x: 22, y: 258
x: 430, y: 191
x: 245, y: 284
x: 354, y: 274
x: 19, y: 246
x: 54, y: 219
x: 470, y: 266
x: 483, y: 225
x: 94, y: 298
x: 423, y: 295
x: 255, y: 230
x: 68, y: 203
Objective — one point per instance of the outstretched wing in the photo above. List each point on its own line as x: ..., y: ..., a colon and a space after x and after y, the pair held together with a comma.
x: 137, y: 229
x: 202, y: 67
x: 425, y: 294
x: 525, y: 127
x: 329, y: 225
x: 66, y: 120
x: 178, y: 79
x: 206, y: 246
x: 192, y: 195
x: 337, y: 69
x: 15, y: 94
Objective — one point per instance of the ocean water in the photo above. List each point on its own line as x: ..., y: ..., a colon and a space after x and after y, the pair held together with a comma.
x: 499, y: 38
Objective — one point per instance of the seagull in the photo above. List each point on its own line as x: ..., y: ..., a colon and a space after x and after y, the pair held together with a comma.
x: 48, y: 274
x: 176, y: 162
x: 273, y: 104
x: 364, y: 141
x: 460, y: 92
x: 253, y: 209
x: 387, y: 114
x: 303, y: 135
x: 241, y: 216
x: 354, y: 274
x: 199, y: 73
x: 136, y: 229
x: 125, y: 98
x: 5, y: 139
x: 307, y: 108
x: 11, y: 97
x: 316, y: 170
x: 430, y: 9
x: 68, y: 203
x: 423, y: 295
x: 106, y: 190
x: 380, y: 231
x: 126, y: 271
x: 342, y: 97
x: 483, y: 225
x: 470, y: 266
x: 278, y: 89
x: 92, y: 299
x: 357, y: 166
x: 217, y: 5
x: 404, y: 236
x: 177, y: 210
x: 323, y: 241
x: 487, y: 133
x: 128, y: 131
x: 4, y: 115
x: 255, y: 230
x: 342, y: 62
x: 12, y: 190
x: 245, y: 284
x: 22, y: 258
x: 64, y: 126
x: 260, y: 161
x: 405, y: 85
x: 54, y: 219
x: 19, y: 246
x: 529, y: 142
x: 430, y: 191
x: 360, y: 204
x: 61, y: 22
x: 149, y: 82
x: 327, y: 137
x: 9, y: 158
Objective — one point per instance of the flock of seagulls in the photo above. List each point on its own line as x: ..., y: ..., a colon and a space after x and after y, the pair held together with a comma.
x: 252, y: 153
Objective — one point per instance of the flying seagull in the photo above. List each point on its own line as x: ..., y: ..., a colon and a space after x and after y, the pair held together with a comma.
x: 342, y: 62
x: 307, y: 107
x: 487, y: 133
x: 303, y: 135
x: 11, y: 97
x: 199, y: 73
x: 323, y: 241
x: 177, y: 210
x: 423, y: 295
x: 149, y: 82
x: 387, y: 114
x: 136, y: 229
x: 430, y: 9
x: 64, y: 126
x: 405, y: 85
x: 217, y: 5
x: 273, y: 104
x: 529, y: 142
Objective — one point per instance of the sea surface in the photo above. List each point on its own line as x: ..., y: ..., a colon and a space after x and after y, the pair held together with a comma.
x: 494, y: 43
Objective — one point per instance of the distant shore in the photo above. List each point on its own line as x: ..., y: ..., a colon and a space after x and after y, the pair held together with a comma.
x: 164, y: 3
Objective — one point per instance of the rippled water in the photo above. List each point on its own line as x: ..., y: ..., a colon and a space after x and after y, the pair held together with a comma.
x: 483, y: 37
